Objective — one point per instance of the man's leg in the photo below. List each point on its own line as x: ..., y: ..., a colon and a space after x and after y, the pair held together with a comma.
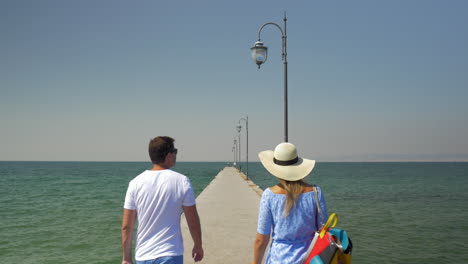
x: 164, y: 260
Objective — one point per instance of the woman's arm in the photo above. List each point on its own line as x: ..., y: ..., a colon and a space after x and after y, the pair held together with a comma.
x: 260, y: 244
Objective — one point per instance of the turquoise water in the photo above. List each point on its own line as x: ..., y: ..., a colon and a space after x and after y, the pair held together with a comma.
x: 70, y: 212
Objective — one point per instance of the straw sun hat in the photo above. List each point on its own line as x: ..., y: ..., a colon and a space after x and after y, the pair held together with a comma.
x: 284, y: 163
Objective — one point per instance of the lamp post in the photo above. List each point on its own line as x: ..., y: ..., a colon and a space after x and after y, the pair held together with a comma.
x: 239, y: 127
x: 234, y: 159
x: 259, y: 55
x: 234, y: 149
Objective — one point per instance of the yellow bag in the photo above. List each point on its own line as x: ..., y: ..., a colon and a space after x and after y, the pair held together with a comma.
x: 341, y: 258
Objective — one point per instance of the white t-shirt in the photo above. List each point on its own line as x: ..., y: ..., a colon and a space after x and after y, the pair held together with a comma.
x: 158, y: 197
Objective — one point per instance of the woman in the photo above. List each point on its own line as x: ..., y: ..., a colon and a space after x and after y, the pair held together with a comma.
x: 288, y: 211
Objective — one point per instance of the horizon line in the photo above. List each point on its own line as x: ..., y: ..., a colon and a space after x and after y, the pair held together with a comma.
x: 326, y: 161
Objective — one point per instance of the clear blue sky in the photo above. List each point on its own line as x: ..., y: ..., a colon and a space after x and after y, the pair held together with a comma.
x: 368, y: 80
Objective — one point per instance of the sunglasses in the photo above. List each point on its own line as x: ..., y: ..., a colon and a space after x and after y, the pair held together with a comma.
x: 174, y: 150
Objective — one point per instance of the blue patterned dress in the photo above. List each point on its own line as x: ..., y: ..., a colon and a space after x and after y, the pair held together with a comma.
x: 290, y: 235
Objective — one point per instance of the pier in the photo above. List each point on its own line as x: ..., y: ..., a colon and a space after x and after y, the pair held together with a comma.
x: 228, y: 209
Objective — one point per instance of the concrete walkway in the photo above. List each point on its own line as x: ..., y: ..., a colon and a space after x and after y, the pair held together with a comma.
x: 228, y: 209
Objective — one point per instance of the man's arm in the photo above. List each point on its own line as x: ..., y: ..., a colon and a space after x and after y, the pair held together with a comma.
x: 128, y: 222
x: 193, y: 222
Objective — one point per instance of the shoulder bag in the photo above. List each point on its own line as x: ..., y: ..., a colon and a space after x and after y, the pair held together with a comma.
x: 330, y: 245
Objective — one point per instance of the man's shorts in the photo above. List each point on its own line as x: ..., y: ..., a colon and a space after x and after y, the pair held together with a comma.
x: 164, y: 260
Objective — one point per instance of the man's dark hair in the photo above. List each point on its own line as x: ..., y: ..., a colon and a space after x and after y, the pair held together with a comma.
x: 159, y: 147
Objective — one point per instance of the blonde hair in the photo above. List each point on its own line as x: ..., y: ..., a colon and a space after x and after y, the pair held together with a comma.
x: 293, y: 191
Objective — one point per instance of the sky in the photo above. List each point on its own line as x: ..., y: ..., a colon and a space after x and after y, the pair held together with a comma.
x: 368, y: 80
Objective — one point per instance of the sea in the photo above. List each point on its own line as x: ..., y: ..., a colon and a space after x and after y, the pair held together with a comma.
x: 394, y: 212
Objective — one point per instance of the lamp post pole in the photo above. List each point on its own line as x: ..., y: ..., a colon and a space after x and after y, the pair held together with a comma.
x: 238, y: 127
x: 239, y: 152
x: 259, y: 54
x: 246, y: 120
x: 235, y: 152
x: 234, y: 158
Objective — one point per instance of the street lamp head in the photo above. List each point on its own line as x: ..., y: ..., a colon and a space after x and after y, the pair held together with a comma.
x: 259, y: 53
x: 238, y: 128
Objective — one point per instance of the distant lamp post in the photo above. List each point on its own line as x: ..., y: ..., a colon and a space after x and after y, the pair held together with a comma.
x: 234, y: 149
x: 234, y: 159
x: 259, y: 55
x: 239, y: 127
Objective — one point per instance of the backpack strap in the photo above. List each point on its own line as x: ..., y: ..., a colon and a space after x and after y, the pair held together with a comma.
x: 318, y: 210
x: 317, y: 199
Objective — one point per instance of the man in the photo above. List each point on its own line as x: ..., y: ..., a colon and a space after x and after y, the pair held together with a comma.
x: 158, y: 197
